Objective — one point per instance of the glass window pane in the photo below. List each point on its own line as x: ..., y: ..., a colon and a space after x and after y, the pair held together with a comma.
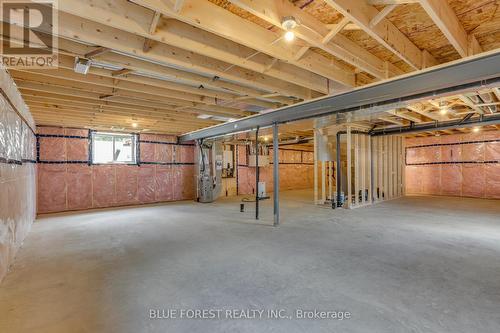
x: 123, y: 149
x: 103, y: 148
x: 113, y: 148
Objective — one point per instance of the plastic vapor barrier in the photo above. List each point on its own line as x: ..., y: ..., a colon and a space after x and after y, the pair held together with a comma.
x: 17, y: 171
x: 457, y: 165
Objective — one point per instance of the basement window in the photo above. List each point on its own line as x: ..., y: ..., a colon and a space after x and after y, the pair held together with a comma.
x: 113, y: 148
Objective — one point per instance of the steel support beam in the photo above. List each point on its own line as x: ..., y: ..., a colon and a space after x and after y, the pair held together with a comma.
x: 482, y: 71
x: 276, y: 175
x: 438, y: 126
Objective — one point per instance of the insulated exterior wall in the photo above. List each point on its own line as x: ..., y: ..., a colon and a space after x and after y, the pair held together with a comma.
x: 296, y: 171
x: 465, y: 165
x: 17, y: 171
x: 68, y: 181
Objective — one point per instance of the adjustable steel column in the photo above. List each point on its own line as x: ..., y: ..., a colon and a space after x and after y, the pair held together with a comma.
x: 257, y: 173
x: 276, y: 175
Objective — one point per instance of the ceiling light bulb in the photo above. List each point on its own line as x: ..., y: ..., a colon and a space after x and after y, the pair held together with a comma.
x: 288, y: 23
x: 443, y: 111
x: 134, y: 125
x: 475, y: 129
x: 289, y: 36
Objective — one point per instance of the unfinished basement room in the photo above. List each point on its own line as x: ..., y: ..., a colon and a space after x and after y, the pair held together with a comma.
x: 250, y: 166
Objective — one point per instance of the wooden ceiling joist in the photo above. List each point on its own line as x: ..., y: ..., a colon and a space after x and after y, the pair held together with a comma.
x: 74, y: 28
x: 446, y: 20
x: 163, y: 64
x: 105, y: 77
x: 74, y: 49
x: 385, y: 32
x: 103, y: 85
x: 98, y: 51
x: 124, y: 96
x: 122, y: 72
x: 310, y: 72
x: 383, y: 13
x: 232, y: 27
x: 314, y: 32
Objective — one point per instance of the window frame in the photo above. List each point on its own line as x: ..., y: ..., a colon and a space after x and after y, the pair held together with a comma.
x: 135, y: 148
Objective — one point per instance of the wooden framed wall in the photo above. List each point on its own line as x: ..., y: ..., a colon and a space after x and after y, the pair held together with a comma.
x: 376, y: 171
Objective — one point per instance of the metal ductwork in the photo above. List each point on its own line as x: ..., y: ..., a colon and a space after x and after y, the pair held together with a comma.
x: 208, y: 170
x: 480, y: 72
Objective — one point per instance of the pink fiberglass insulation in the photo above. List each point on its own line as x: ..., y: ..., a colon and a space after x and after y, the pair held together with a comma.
x: 126, y: 184
x: 474, y: 181
x: 164, y: 183
x: 163, y: 153
x: 52, y: 149
x: 184, y: 154
x: 431, y: 180
x: 183, y: 182
x: 79, y: 186
x: 308, y: 157
x: 74, y: 186
x: 492, y: 175
x: 147, y: 151
x: 52, y: 179
x: 413, y: 180
x: 457, y: 165
x: 473, y: 152
x: 103, y: 185
x: 492, y: 151
x: 242, y: 155
x: 146, y: 183
x: 451, y: 179
x: 77, y: 149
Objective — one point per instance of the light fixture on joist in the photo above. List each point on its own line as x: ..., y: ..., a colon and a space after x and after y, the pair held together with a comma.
x: 289, y: 23
x: 82, y: 66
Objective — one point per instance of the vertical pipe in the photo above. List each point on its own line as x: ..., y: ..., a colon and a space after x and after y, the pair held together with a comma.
x: 236, y: 158
x: 357, y: 172
x: 372, y: 180
x: 315, y: 167
x: 349, y: 171
x: 276, y: 175
x: 323, y: 182
x: 257, y: 173
x: 339, y: 170
x: 330, y: 179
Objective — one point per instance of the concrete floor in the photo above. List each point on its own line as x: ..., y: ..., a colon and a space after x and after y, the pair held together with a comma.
x: 409, y: 265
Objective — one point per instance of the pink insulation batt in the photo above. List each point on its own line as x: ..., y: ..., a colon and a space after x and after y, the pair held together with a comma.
x: 457, y: 165
x: 75, y: 186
